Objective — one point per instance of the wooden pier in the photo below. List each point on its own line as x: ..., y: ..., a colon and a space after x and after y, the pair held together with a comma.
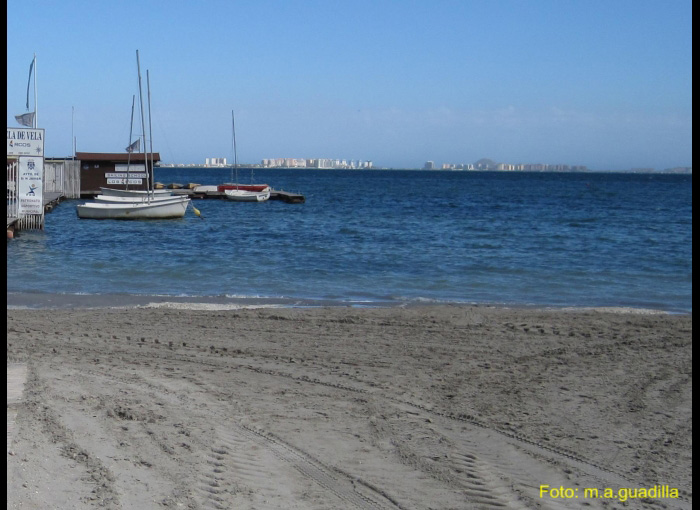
x: 34, y: 221
x: 60, y: 180
x: 285, y: 196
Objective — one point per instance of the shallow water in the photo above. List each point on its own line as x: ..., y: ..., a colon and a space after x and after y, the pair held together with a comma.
x: 366, y: 238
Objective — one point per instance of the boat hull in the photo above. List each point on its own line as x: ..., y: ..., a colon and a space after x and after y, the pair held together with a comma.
x: 157, y: 210
x: 239, y: 195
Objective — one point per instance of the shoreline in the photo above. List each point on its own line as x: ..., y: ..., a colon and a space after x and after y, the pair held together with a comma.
x: 38, y: 300
x: 403, y: 407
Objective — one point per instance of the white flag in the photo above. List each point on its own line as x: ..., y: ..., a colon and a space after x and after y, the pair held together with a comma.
x: 26, y: 119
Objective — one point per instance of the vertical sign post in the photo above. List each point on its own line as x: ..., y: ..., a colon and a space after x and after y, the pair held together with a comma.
x: 27, y: 145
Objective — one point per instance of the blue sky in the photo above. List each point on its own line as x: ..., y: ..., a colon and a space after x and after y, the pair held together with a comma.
x: 596, y: 83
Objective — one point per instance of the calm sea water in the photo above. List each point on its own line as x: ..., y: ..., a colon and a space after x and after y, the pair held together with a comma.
x: 382, y: 237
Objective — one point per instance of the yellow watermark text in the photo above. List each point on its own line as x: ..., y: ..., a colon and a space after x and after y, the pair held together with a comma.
x: 622, y: 494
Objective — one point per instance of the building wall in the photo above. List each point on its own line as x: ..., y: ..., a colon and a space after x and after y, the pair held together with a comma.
x: 94, y: 168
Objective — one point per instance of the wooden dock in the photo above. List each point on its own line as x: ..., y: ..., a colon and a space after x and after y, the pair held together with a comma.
x: 285, y: 196
x: 51, y: 199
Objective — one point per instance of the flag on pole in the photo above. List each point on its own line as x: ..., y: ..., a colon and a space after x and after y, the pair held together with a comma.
x: 26, y: 119
x: 134, y: 147
x: 29, y: 81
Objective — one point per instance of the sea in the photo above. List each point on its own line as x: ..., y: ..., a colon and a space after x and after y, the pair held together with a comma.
x: 367, y: 238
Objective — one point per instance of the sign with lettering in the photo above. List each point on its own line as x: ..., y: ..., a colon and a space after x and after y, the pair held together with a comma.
x: 30, y: 190
x: 123, y: 181
x: 121, y: 175
x: 25, y: 142
x: 134, y: 170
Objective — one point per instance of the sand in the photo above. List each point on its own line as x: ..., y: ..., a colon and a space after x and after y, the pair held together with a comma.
x: 393, y: 408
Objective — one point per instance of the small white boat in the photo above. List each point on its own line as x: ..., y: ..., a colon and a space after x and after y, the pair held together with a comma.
x: 111, y: 192
x: 241, y: 195
x: 155, y: 210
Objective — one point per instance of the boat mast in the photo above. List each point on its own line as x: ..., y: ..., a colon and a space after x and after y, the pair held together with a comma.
x: 131, y: 131
x: 150, y: 132
x: 235, y: 153
x: 143, y: 127
x: 36, y: 109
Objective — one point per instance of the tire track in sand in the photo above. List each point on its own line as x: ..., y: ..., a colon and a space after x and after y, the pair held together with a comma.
x: 267, y: 469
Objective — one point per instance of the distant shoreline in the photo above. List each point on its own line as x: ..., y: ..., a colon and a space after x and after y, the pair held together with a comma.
x: 64, y: 301
x: 589, y: 171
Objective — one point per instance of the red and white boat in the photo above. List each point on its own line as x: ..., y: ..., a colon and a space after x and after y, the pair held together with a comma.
x: 242, y: 192
x: 245, y: 187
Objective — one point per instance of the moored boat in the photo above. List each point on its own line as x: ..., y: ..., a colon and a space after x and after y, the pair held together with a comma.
x: 240, y: 195
x: 156, y: 210
x: 246, y: 187
x: 242, y: 192
x: 125, y: 204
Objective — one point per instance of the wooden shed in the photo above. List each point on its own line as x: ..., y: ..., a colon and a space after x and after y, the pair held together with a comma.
x: 115, y: 170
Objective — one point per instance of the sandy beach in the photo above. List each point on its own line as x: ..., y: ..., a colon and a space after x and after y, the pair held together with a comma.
x: 446, y: 407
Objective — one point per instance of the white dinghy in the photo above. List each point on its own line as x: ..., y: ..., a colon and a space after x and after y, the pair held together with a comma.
x: 240, y: 193
x: 153, y: 210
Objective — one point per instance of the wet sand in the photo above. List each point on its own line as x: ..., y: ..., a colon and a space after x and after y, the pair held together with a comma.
x: 390, y: 408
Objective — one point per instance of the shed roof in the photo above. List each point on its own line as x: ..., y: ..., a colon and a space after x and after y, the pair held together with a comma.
x: 114, y: 156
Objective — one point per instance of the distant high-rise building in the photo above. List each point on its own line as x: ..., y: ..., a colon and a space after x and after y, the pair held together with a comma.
x: 215, y: 162
x: 429, y: 165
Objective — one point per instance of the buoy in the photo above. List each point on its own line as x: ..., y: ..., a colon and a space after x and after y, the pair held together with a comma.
x: 10, y: 234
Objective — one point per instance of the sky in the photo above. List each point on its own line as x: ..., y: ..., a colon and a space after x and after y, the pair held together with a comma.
x: 596, y: 83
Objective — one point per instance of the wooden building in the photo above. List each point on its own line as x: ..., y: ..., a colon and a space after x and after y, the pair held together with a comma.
x: 113, y: 170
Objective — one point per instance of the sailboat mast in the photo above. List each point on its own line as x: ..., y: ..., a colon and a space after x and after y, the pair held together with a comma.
x: 36, y: 108
x: 131, y: 132
x: 235, y: 153
x: 143, y: 124
x: 150, y: 132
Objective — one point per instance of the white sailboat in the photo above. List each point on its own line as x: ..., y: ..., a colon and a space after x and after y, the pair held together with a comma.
x: 158, y: 210
x: 241, y: 195
x: 132, y: 205
x: 238, y: 194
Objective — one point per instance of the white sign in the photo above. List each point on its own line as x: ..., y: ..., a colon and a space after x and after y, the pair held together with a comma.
x: 30, y: 193
x: 123, y: 181
x: 25, y: 142
x: 110, y: 175
x: 133, y: 170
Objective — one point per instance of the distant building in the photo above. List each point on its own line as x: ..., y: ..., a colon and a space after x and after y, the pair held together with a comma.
x: 215, y: 162
x: 323, y: 163
x: 488, y: 164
